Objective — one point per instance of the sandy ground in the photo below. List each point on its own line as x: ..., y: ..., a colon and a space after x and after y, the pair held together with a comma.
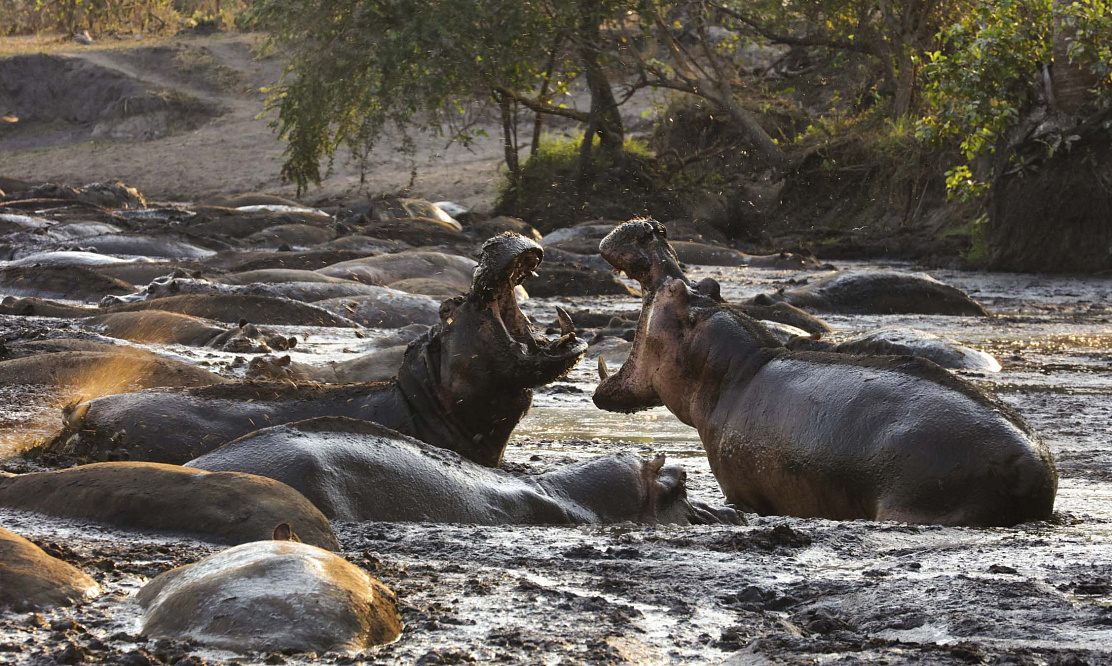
x: 238, y: 151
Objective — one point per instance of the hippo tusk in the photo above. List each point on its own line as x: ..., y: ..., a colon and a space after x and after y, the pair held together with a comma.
x: 603, y: 371
x: 567, y: 326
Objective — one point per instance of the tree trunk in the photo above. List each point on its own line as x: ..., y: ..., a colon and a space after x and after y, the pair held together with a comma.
x: 509, y: 142
x: 1070, y: 82
x: 905, y: 86
x: 604, y: 108
x: 747, y: 123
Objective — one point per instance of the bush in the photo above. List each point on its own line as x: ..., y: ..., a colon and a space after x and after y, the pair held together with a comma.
x: 23, y: 17
x: 550, y: 193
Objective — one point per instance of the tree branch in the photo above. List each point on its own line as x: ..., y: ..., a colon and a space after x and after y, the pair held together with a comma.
x: 538, y: 106
x: 790, y: 40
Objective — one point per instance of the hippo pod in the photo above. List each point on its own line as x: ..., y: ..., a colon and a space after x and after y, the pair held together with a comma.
x: 33, y: 580
x: 905, y: 342
x: 463, y: 385
x: 227, y: 508
x: 877, y: 292
x: 818, y: 434
x: 271, y: 596
x: 354, y: 470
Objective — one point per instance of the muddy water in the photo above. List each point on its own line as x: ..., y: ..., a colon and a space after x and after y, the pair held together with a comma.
x: 780, y: 589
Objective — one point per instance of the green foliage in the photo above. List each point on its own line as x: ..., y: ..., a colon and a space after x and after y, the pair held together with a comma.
x: 1091, y: 21
x: 363, y: 67
x: 986, y: 73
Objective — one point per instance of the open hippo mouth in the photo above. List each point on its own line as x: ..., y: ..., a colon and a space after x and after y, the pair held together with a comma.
x: 640, y: 249
x: 507, y: 261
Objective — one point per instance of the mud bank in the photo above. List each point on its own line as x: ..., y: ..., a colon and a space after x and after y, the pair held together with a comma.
x: 779, y: 590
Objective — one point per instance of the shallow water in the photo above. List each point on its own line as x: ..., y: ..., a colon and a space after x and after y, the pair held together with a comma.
x: 781, y: 589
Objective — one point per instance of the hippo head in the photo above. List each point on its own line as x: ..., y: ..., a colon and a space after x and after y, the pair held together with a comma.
x: 267, y: 367
x: 478, y: 366
x: 640, y: 249
x: 629, y: 487
x: 681, y: 335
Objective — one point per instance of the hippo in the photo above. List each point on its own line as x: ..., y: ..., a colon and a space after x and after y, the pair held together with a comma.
x: 355, y: 470
x: 38, y: 307
x: 306, y: 292
x: 905, y: 341
x: 386, y: 308
x: 223, y: 222
x: 69, y: 258
x: 143, y: 272
x: 33, y: 580
x: 70, y: 282
x: 232, y: 308
x: 252, y: 199
x: 308, y: 260
x: 879, y: 292
x: 75, y: 230
x: 291, y: 235
x: 816, y: 434
x: 219, y: 507
x: 496, y: 225
x: 277, y: 276
x: 146, y: 246
x: 265, y: 596
x: 427, y: 287
x: 107, y: 195
x: 387, y: 268
x: 378, y: 366
x: 122, y: 369
x: 155, y: 326
x: 573, y: 279
x: 366, y: 245
x: 762, y: 308
x: 25, y: 348
x: 417, y: 231
x: 463, y: 385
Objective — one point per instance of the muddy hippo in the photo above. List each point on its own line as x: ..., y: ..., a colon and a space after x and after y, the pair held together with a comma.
x: 385, y: 308
x: 417, y: 231
x: 714, y: 255
x: 291, y: 235
x: 378, y: 366
x: 355, y: 470
x: 427, y: 287
x: 573, y: 279
x: 71, y: 282
x: 155, y: 326
x: 38, y: 307
x: 277, y: 275
x: 463, y: 385
x: 387, y: 268
x: 905, y: 342
x: 108, y: 195
x: 308, y: 260
x: 306, y: 292
x: 33, y: 580
x: 817, y: 434
x: 220, y: 507
x: 69, y: 258
x: 231, y: 308
x: 271, y: 596
x: 879, y: 292
x: 160, y: 247
x: 102, y: 372
x: 763, y: 308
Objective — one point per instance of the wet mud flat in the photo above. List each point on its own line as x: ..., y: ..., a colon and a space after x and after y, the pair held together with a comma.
x: 778, y: 590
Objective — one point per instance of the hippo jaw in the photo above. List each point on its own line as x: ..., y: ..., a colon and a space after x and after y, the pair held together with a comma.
x: 530, y: 358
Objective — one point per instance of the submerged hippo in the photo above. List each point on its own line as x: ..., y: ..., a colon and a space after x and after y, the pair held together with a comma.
x: 155, y: 326
x: 762, y: 308
x: 33, y: 580
x: 221, y: 507
x: 116, y: 370
x: 378, y: 366
x: 463, y: 385
x: 879, y: 292
x: 355, y: 470
x: 387, y: 268
x: 905, y: 342
x: 385, y: 308
x: 271, y: 596
x: 816, y: 434
x: 232, y: 308
x: 307, y: 292
x: 72, y: 282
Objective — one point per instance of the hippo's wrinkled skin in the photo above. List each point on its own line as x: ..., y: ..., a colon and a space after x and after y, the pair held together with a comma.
x: 463, y: 385
x: 878, y: 292
x: 948, y: 353
x: 817, y: 434
x: 224, y: 508
x: 33, y: 580
x: 355, y: 470
x: 271, y: 595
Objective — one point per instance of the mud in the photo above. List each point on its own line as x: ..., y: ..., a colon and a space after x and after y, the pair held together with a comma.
x: 778, y: 590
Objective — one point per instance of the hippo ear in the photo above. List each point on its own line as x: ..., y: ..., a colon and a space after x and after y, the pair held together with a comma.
x: 657, y: 464
x: 242, y: 322
x: 284, y: 532
x: 291, y: 343
x: 285, y: 360
x: 762, y: 299
x: 174, y: 287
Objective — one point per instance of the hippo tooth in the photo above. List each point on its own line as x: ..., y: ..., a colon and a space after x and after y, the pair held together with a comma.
x: 567, y: 326
x: 603, y: 371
